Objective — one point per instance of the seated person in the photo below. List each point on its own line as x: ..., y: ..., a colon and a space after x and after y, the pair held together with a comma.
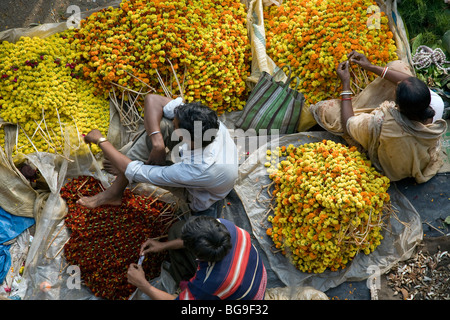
x: 214, y: 255
x: 206, y: 164
x: 396, y: 119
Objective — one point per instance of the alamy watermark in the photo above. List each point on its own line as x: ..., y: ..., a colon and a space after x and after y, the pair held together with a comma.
x: 74, y: 20
x: 72, y: 282
x: 244, y: 144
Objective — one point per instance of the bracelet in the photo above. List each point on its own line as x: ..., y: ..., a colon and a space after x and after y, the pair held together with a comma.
x: 383, y: 74
x: 346, y: 92
x: 102, y: 139
x: 343, y: 99
x: 154, y: 132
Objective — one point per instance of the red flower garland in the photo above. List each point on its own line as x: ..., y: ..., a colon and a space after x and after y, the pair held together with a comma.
x: 105, y: 240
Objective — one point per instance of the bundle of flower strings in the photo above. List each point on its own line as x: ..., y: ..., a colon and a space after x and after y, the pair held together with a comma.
x: 329, y: 204
x: 42, y: 91
x: 205, y: 42
x: 314, y: 36
x: 105, y: 240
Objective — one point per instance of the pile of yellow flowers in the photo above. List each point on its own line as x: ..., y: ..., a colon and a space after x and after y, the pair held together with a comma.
x: 204, y: 40
x: 314, y: 36
x: 41, y: 91
x: 329, y: 204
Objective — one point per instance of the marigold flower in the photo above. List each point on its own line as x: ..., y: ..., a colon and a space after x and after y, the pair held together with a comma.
x: 206, y: 41
x: 333, y: 213
x: 47, y: 94
x: 321, y: 34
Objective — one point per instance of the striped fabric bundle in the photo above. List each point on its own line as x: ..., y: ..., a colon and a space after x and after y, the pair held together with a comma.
x: 272, y: 105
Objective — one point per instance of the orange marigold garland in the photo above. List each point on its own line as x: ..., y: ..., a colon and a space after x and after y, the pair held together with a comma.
x: 205, y: 40
x: 329, y: 205
x: 105, y: 240
x: 314, y: 36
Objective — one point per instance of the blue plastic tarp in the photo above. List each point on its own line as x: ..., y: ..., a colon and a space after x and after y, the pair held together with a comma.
x: 10, y: 227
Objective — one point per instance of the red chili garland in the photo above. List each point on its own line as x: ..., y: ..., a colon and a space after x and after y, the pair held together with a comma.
x: 105, y: 240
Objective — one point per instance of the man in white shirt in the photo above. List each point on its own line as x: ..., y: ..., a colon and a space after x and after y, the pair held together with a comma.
x: 205, y: 163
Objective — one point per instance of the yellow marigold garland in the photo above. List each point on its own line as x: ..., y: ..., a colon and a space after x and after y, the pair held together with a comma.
x: 42, y: 91
x: 314, y: 36
x: 329, y: 205
x: 205, y: 40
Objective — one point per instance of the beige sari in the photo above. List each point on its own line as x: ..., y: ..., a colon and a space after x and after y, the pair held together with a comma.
x: 397, y: 146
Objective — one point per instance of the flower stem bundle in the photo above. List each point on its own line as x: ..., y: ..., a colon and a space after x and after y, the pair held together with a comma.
x: 105, y: 240
x: 204, y: 41
x: 313, y: 37
x: 329, y: 204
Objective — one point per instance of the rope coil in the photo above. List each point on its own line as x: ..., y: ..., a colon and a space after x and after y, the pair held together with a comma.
x: 425, y: 57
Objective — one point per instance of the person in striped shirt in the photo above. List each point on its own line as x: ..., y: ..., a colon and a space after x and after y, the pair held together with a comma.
x: 228, y: 266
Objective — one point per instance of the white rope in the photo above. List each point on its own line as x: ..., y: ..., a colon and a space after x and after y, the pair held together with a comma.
x: 425, y: 57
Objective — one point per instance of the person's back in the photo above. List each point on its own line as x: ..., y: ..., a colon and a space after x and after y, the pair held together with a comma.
x: 408, y: 148
x: 238, y: 274
x: 402, y: 136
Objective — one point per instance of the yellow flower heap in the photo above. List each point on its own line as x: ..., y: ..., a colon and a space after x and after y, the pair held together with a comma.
x: 314, y: 36
x: 205, y: 41
x: 41, y: 90
x: 329, y: 204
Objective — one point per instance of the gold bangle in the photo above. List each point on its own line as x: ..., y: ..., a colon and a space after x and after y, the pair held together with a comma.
x: 102, y: 139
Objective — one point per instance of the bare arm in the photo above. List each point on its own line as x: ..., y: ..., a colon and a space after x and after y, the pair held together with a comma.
x: 119, y: 160
x: 391, y: 75
x: 136, y: 276
x: 346, y: 102
x: 153, y: 113
x: 152, y: 245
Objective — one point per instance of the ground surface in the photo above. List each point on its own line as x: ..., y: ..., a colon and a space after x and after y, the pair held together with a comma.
x: 26, y: 13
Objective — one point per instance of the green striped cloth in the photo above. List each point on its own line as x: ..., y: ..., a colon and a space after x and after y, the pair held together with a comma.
x: 272, y: 105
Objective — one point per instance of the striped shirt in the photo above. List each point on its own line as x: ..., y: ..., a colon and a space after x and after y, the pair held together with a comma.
x: 239, y: 275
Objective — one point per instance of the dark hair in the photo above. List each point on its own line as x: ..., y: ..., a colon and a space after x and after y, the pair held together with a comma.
x: 207, y: 238
x: 413, y: 98
x: 190, y: 113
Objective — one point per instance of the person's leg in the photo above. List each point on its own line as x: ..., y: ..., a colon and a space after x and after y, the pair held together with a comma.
x: 111, y: 196
x: 214, y: 211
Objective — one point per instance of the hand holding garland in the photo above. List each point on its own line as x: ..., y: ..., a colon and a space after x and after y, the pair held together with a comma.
x: 344, y: 74
x: 117, y: 159
x: 136, y: 277
x: 384, y: 72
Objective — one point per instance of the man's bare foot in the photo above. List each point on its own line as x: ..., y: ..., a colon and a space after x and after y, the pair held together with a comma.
x: 110, y: 168
x: 100, y: 199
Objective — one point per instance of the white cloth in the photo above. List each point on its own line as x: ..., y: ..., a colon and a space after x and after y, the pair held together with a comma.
x: 437, y: 104
x: 168, y: 110
x: 208, y: 174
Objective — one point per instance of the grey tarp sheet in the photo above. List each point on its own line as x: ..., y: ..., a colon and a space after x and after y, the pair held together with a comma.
x: 400, y: 236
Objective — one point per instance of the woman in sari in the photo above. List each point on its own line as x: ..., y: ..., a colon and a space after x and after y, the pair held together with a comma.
x: 396, y: 119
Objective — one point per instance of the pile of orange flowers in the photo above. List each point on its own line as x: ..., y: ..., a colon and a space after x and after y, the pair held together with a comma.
x: 205, y: 41
x: 314, y: 36
x: 330, y: 202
